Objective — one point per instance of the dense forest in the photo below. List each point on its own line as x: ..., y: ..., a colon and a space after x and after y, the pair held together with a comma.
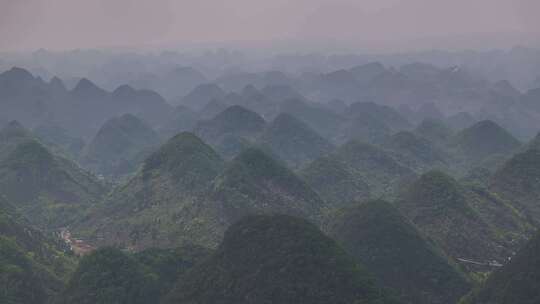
x: 367, y: 182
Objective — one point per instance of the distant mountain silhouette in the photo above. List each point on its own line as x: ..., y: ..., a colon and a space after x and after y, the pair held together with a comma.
x: 415, y: 152
x: 484, y: 139
x: 231, y: 130
x: 202, y: 95
x: 294, y: 141
x: 172, y: 84
x: 120, y: 146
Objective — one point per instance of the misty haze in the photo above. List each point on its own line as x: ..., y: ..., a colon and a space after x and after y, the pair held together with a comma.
x: 269, y: 152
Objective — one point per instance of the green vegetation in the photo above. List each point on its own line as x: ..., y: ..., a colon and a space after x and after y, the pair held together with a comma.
x: 364, y: 128
x: 119, y: 146
x: 323, y: 121
x: 22, y: 280
x: 169, y: 264
x: 440, y: 207
x: 231, y: 130
x: 187, y: 159
x: 334, y: 183
x: 58, y: 140
x: 276, y: 259
x: 385, y: 114
x: 434, y: 130
x: 397, y: 253
x: 518, y: 181
x: 233, y: 212
x: 294, y: 141
x: 12, y: 135
x: 163, y: 205
x: 484, y: 139
x: 110, y: 276
x: 518, y: 282
x: 415, y: 152
x: 50, y: 190
x: 185, y: 193
x: 255, y: 183
x: 33, y: 268
x: 376, y: 167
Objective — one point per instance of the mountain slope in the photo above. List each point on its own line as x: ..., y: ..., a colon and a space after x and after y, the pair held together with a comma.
x: 185, y: 193
x: 276, y: 259
x: 32, y: 267
x: 12, y: 135
x: 484, y: 139
x: 110, y: 276
x: 439, y: 206
x: 376, y: 167
x: 59, y: 140
x: 518, y: 181
x: 203, y: 94
x: 254, y: 183
x: 415, y: 152
x: 434, y: 130
x: 366, y: 128
x: 50, y: 190
x: 160, y: 205
x: 182, y: 119
x: 119, y: 146
x: 23, y: 97
x: 334, y: 183
x: 229, y: 130
x: 294, y: 141
x: 146, y: 104
x: 320, y: 119
x: 397, y: 253
x: 518, y: 282
x: 385, y: 114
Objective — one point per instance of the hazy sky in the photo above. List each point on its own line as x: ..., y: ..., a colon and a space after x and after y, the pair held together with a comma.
x: 68, y: 24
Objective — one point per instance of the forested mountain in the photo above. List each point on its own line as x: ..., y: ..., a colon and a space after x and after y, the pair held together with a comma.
x: 416, y: 152
x: 231, y: 130
x: 293, y: 141
x: 516, y: 282
x: 517, y: 181
x: 33, y: 267
x: 202, y: 95
x: 465, y: 228
x: 109, y: 276
x: 398, y: 254
x: 82, y: 110
x: 59, y: 139
x: 277, y: 259
x: 335, y: 184
x: 50, y: 190
x: 119, y: 146
x: 297, y: 179
x: 485, y: 139
x: 254, y: 183
x: 375, y: 166
x: 186, y: 192
x: 160, y: 205
x: 434, y: 130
